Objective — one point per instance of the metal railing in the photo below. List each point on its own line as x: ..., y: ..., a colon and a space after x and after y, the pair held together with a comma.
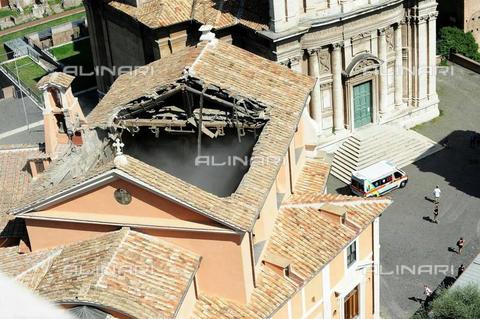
x: 36, y: 97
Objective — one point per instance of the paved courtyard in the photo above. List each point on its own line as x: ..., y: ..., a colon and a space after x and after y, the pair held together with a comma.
x: 408, y: 239
x: 13, y: 119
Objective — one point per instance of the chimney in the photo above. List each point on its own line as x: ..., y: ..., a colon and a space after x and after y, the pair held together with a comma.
x: 207, y: 34
x: 62, y: 114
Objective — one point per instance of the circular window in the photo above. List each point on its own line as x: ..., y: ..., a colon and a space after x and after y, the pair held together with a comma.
x: 123, y: 196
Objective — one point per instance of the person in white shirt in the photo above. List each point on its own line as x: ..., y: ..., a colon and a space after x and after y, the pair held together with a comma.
x: 428, y: 294
x: 436, y: 194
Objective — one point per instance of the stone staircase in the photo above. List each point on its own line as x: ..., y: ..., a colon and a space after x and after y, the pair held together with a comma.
x: 386, y: 142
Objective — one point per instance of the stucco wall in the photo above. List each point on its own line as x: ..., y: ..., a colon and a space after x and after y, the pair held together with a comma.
x: 225, y: 269
x: 144, y: 204
x: 188, y: 303
x: 48, y: 234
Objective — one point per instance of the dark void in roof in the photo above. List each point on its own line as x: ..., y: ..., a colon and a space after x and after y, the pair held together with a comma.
x: 218, y: 170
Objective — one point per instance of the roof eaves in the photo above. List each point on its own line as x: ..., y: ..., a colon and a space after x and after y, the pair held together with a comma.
x: 67, y: 193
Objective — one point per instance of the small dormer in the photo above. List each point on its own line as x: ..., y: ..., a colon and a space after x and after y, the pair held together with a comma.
x: 62, y: 114
x: 337, y: 214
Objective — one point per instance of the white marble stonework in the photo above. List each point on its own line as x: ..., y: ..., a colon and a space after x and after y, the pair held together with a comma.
x: 386, y: 45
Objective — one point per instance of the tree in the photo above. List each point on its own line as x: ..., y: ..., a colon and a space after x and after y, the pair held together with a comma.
x: 454, y: 40
x: 458, y: 303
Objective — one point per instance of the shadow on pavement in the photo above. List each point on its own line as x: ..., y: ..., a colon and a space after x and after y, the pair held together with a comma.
x: 458, y: 163
x: 422, y: 311
x: 345, y: 190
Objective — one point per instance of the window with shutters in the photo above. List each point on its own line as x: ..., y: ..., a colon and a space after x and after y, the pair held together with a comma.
x: 351, y: 306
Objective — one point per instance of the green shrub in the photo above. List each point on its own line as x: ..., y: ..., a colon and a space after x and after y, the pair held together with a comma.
x: 454, y: 40
x: 458, y: 303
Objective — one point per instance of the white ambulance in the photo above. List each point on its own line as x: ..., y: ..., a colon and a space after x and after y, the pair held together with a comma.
x: 378, y: 179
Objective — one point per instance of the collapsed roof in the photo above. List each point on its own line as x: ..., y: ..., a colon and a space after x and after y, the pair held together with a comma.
x: 227, y: 72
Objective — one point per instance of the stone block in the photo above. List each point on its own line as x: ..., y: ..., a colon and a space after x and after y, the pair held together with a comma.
x: 71, y: 3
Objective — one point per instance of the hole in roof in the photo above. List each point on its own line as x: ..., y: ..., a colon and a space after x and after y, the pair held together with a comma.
x: 164, y: 134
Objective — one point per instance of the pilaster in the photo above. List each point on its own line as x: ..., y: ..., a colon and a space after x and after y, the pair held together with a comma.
x: 383, y: 76
x: 315, y: 102
x: 398, y: 66
x: 432, y: 54
x: 338, y: 99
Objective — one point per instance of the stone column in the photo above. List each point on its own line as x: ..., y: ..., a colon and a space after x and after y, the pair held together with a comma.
x: 422, y: 75
x: 398, y: 66
x: 338, y: 102
x: 432, y: 50
x: 382, y: 54
x: 315, y: 102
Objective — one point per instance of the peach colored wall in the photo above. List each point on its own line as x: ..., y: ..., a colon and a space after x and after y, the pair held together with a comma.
x: 296, y: 304
x: 47, y: 234
x: 337, y: 269
x: 282, y: 313
x: 366, y: 242
x: 50, y: 132
x: 225, y: 269
x: 369, y: 296
x: 335, y: 306
x: 186, y: 308
x: 295, y: 146
x: 317, y: 313
x: 264, y: 225
x: 300, y: 134
x: 144, y: 204
x: 283, y: 182
x: 313, y: 291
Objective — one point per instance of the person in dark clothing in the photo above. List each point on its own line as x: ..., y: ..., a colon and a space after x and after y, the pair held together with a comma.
x: 435, y: 214
x: 461, y: 269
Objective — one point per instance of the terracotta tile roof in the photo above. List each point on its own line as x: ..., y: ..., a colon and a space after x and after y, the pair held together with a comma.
x: 127, y: 271
x: 14, y: 173
x: 239, y: 72
x: 158, y: 13
x: 14, y: 264
x: 58, y: 78
x: 313, y: 177
x: 272, y: 291
x: 218, y: 13
x: 309, y: 241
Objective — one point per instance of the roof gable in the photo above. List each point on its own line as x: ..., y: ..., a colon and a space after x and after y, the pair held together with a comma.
x: 93, y: 200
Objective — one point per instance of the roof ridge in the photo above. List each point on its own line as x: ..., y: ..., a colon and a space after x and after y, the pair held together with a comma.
x: 190, y: 69
x: 54, y: 254
x: 122, y: 236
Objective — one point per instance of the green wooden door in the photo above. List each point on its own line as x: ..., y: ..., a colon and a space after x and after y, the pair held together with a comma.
x: 362, y: 104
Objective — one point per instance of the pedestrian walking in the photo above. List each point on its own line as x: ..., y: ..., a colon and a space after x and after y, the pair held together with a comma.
x: 436, y: 194
x: 460, y: 244
x: 461, y: 269
x: 435, y: 214
x: 428, y: 294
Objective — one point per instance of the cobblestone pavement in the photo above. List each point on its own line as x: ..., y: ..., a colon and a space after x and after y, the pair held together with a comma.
x: 415, y: 251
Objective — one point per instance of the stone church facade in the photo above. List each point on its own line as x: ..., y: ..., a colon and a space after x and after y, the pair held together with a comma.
x: 374, y: 60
